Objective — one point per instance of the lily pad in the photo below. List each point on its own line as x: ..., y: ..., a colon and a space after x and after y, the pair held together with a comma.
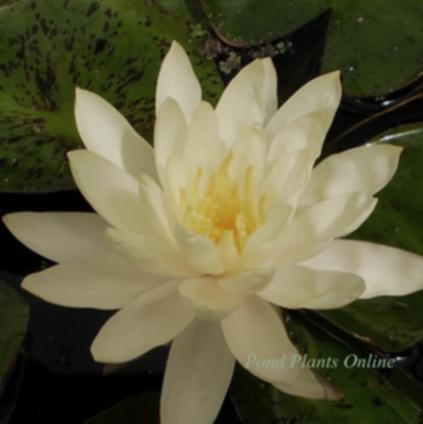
x: 377, y: 44
x: 14, y: 314
x: 371, y: 396
x: 47, y: 47
x: 393, y: 323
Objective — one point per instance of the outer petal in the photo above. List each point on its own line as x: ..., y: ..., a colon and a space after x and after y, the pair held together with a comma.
x: 59, y: 236
x: 151, y: 320
x: 321, y: 95
x: 254, y: 334
x: 111, y: 191
x: 178, y: 81
x: 319, y: 224
x: 198, y: 372
x: 387, y: 271
x: 303, y: 287
x: 208, y: 299
x: 248, y: 99
x: 107, y: 133
x: 170, y: 134
x: 107, y: 281
x: 366, y: 169
x: 154, y: 255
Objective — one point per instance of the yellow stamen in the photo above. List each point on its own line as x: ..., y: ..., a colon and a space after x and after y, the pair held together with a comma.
x: 224, y: 205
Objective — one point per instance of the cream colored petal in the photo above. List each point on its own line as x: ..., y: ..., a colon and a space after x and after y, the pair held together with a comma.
x: 200, y: 252
x: 320, y: 223
x: 260, y: 243
x: 306, y: 132
x: 321, y: 95
x: 246, y: 282
x: 178, y: 81
x: 257, y: 337
x: 153, y: 254
x: 170, y: 135
x: 203, y: 144
x: 366, y: 169
x: 387, y: 271
x: 107, y: 133
x: 154, y: 208
x: 208, y: 299
x: 249, y: 151
x: 106, y: 281
x: 151, y: 320
x: 248, y: 99
x: 59, y: 236
x: 198, y: 372
x: 285, y: 178
x: 302, y: 287
x: 111, y: 191
x: 229, y: 254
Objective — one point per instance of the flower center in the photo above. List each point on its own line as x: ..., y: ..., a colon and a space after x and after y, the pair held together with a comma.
x: 225, y: 204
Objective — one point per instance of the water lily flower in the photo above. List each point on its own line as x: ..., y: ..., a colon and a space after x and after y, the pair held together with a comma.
x: 194, y: 241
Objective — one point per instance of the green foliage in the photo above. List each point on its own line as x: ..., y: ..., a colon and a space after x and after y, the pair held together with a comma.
x: 14, y: 315
x: 49, y: 47
x: 377, y: 44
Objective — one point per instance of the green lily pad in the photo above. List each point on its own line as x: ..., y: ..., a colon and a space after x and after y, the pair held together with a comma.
x: 14, y: 314
x: 47, y: 47
x: 371, y: 396
x: 393, y: 323
x: 377, y: 44
x: 141, y: 408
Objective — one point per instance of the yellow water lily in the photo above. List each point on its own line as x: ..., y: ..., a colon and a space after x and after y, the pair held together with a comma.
x: 194, y: 241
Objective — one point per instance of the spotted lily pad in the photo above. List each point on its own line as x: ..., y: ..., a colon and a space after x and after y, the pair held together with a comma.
x: 371, y: 395
x: 47, y: 47
x: 377, y: 44
x: 13, y: 322
x: 393, y: 323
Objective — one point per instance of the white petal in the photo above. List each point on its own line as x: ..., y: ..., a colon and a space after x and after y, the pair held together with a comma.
x: 286, y: 177
x: 107, y: 133
x: 153, y: 319
x: 321, y: 95
x: 249, y: 150
x: 107, y: 281
x: 153, y: 254
x: 387, y: 271
x: 59, y: 236
x: 303, y: 287
x: 249, y: 98
x: 198, y: 372
x: 203, y: 145
x: 260, y: 243
x: 111, y: 191
x: 366, y: 169
x: 255, y: 334
x: 209, y: 300
x: 170, y: 134
x: 320, y: 223
x: 200, y: 252
x: 154, y: 208
x: 306, y: 132
x: 229, y: 254
x: 178, y: 81
x: 246, y: 282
